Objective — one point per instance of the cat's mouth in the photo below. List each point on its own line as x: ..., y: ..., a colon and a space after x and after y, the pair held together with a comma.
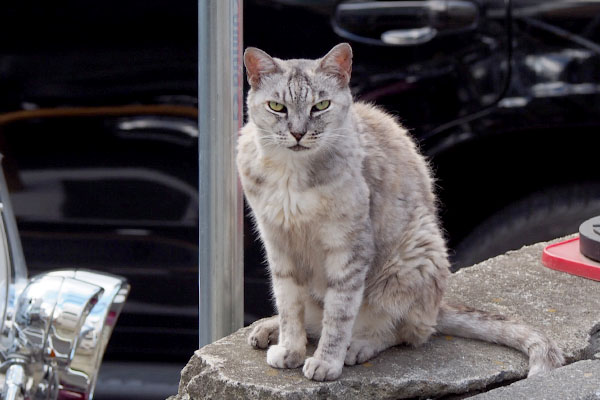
x: 298, y: 147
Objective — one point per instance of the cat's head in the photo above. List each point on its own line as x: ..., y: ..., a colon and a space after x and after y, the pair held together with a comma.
x: 299, y: 106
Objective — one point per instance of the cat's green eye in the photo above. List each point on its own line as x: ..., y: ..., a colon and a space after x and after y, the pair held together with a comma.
x: 322, y: 105
x: 275, y: 106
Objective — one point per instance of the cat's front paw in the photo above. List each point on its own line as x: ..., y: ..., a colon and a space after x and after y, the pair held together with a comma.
x: 281, y: 357
x: 321, y: 370
x: 264, y: 333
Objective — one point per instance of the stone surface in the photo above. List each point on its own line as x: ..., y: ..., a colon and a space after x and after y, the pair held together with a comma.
x: 566, y: 307
x: 578, y: 381
x: 229, y: 369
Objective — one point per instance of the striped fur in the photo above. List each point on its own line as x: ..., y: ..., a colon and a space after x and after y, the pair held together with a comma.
x: 354, y: 247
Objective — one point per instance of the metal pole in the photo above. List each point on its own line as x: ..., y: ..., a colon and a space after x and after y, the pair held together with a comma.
x: 221, y: 208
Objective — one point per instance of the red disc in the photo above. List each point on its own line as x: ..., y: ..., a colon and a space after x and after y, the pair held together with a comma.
x: 565, y: 256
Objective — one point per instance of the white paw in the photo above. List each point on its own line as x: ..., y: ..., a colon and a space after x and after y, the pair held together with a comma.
x: 321, y: 370
x: 359, y: 352
x: 280, y: 357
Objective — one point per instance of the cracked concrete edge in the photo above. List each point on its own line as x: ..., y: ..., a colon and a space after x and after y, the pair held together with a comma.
x: 592, y: 352
x: 517, y: 283
x: 211, y: 384
x: 205, y: 378
x: 577, y: 381
x: 202, y: 376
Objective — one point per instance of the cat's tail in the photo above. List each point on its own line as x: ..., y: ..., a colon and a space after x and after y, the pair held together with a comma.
x: 544, y: 354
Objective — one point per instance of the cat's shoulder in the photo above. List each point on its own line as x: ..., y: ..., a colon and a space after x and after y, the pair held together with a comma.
x: 379, y: 126
x: 369, y: 110
x: 376, y: 117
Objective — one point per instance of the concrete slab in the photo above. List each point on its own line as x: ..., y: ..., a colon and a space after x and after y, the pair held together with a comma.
x: 230, y: 369
x: 578, y: 381
x: 566, y: 307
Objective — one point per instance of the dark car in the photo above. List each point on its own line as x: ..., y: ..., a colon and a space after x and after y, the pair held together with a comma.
x: 502, y: 96
x: 98, y: 110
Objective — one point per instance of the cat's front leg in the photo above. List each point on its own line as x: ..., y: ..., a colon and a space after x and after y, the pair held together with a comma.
x: 290, y: 296
x: 346, y: 271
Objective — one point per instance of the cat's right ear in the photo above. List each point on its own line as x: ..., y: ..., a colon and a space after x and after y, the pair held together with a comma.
x: 258, y: 64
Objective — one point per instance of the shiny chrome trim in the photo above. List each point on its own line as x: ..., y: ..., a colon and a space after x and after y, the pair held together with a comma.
x: 82, y: 373
x: 19, y: 267
x: 14, y: 382
x: 4, y: 266
x: 408, y: 37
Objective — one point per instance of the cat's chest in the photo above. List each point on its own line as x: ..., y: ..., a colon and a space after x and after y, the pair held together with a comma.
x: 286, y: 202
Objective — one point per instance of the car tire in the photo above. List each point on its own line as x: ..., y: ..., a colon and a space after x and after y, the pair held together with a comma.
x: 541, y: 216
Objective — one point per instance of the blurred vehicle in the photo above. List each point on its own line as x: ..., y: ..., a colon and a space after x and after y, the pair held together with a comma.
x: 98, y: 116
x: 54, y: 327
x: 98, y: 124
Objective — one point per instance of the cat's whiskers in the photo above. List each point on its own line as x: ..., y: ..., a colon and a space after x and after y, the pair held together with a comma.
x: 332, y: 138
x: 274, y: 139
x: 326, y: 138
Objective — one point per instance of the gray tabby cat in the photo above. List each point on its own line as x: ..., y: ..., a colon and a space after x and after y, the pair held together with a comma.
x: 345, y: 207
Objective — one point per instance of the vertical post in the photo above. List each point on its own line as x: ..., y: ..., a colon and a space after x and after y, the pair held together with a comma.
x: 221, y: 209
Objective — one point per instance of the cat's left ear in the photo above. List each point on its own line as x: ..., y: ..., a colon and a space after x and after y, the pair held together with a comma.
x: 338, y: 62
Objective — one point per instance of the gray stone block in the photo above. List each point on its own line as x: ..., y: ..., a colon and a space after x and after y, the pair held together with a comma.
x: 566, y: 307
x: 578, y: 381
x: 516, y: 284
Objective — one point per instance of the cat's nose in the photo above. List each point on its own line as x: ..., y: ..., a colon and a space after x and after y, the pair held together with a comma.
x: 298, y: 135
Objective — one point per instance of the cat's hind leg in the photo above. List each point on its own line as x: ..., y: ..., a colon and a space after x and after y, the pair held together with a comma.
x: 264, y: 333
x: 373, y: 333
x: 407, y: 292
